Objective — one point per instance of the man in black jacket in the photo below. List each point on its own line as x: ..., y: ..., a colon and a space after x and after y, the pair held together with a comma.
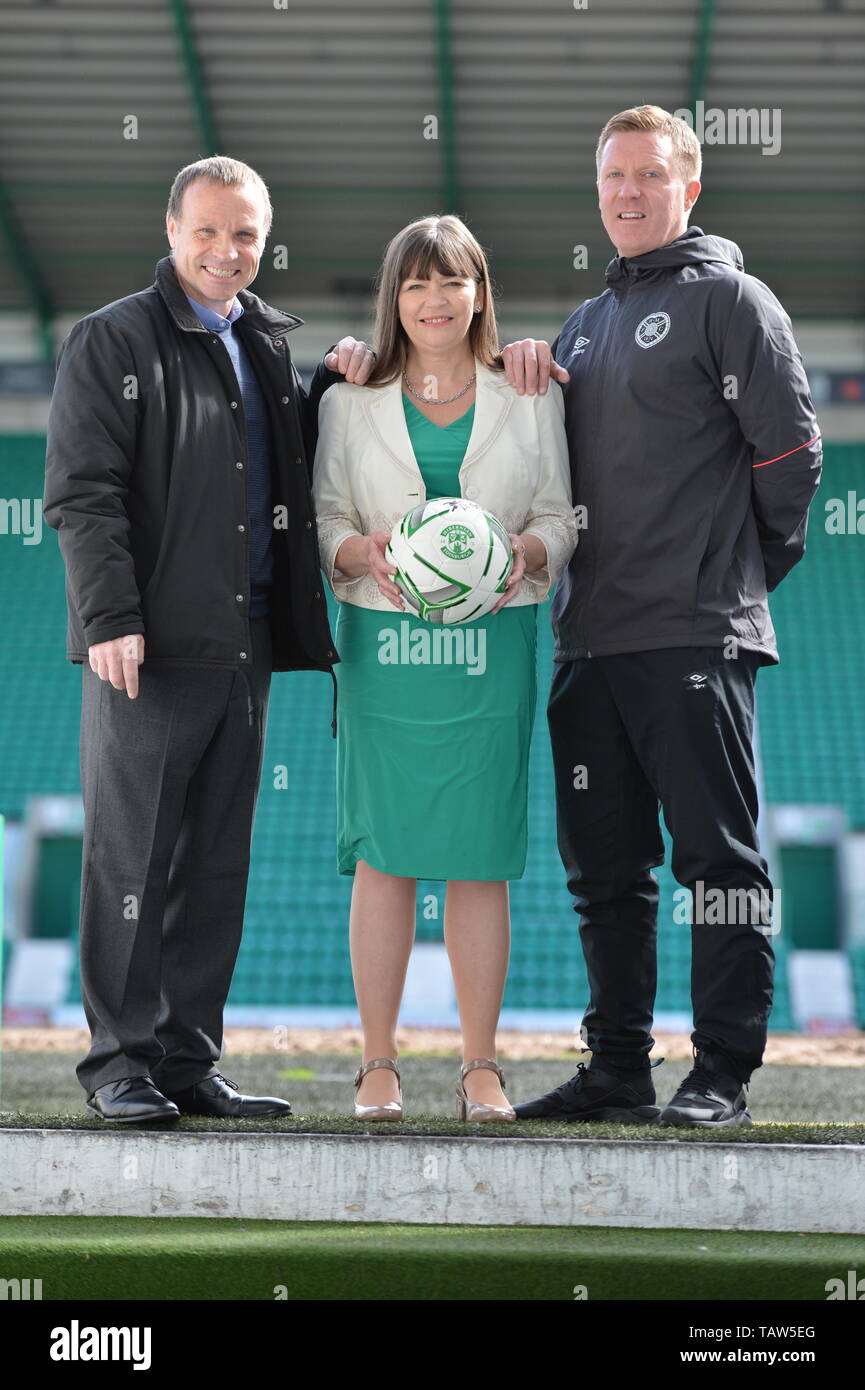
x: 178, y: 470
x: 695, y: 454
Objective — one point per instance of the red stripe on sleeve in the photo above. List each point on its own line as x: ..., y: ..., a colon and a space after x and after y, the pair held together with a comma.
x: 788, y: 453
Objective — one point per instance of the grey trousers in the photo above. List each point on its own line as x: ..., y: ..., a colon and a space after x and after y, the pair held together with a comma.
x: 170, y: 782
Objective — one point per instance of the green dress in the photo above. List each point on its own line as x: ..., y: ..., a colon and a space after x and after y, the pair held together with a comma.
x: 432, y: 754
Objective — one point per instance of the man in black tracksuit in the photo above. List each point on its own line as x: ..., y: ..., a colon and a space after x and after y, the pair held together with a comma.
x: 695, y: 455
x: 178, y: 469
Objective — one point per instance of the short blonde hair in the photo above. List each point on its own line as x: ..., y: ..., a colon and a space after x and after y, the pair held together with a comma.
x: 686, y: 146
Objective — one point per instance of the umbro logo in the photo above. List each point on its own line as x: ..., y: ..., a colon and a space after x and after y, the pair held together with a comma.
x: 580, y: 345
x: 696, y: 680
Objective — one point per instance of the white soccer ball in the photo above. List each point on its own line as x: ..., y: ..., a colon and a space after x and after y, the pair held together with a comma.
x: 452, y: 560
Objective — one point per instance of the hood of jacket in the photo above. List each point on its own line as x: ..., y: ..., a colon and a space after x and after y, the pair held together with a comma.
x: 693, y: 247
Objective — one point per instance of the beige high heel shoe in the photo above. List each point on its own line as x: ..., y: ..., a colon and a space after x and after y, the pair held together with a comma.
x: 392, y: 1109
x: 472, y: 1111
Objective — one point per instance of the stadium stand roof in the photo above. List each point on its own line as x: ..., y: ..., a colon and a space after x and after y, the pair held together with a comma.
x: 329, y: 102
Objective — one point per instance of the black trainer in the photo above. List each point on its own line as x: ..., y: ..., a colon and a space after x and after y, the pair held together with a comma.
x: 711, y: 1096
x: 596, y: 1093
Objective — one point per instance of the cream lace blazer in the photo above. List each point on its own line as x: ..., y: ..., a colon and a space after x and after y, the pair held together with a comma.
x: 366, y: 477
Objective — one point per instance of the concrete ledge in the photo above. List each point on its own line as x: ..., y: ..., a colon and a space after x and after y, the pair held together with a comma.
x: 434, y: 1180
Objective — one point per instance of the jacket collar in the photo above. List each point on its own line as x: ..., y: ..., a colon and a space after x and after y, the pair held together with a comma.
x: 385, y: 414
x: 256, y: 314
x: 692, y: 248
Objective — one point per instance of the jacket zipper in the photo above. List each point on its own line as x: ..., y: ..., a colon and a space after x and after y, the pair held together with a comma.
x: 614, y: 308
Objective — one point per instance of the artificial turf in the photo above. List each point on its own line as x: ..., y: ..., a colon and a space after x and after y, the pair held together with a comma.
x: 433, y: 1125
x: 212, y: 1259
x: 155, y: 1258
x: 804, y: 1105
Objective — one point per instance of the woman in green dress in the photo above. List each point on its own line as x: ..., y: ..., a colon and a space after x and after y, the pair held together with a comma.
x: 434, y: 725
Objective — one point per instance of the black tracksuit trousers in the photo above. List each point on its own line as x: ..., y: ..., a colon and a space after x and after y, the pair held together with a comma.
x: 670, y: 727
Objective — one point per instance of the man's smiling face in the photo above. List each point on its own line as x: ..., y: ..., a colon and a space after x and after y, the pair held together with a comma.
x: 643, y: 200
x: 218, y: 241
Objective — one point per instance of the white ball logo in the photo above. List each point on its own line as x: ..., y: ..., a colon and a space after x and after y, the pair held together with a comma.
x: 653, y: 329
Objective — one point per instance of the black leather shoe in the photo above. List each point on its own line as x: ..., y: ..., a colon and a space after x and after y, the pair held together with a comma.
x: 216, y: 1095
x: 131, y: 1101
x: 596, y: 1093
x: 711, y: 1097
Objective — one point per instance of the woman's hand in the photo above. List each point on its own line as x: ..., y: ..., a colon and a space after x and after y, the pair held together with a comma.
x: 360, y: 555
x: 381, y: 569
x: 517, y: 571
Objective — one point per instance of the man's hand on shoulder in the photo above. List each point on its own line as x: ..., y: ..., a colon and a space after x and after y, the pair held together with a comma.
x: 118, y: 661
x: 529, y: 365
x: 353, y: 359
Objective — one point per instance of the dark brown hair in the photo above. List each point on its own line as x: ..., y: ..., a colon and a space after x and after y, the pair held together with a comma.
x: 442, y: 243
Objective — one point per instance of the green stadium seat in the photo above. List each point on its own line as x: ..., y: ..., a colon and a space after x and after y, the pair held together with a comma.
x: 295, y: 945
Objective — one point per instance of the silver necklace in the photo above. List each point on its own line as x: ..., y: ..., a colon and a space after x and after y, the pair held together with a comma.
x: 435, y: 400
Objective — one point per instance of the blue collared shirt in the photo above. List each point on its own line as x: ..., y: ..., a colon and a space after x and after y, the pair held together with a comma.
x: 259, y: 483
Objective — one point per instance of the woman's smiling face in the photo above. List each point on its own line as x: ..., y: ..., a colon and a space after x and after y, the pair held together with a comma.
x: 437, y: 312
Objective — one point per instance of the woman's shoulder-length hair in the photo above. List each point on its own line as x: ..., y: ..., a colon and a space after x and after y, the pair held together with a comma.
x: 440, y: 243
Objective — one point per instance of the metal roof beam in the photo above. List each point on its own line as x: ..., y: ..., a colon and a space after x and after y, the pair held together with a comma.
x: 702, y: 54
x: 451, y: 193
x: 25, y: 263
x: 194, y: 77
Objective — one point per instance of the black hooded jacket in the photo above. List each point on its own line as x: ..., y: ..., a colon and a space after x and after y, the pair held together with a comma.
x: 694, y: 450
